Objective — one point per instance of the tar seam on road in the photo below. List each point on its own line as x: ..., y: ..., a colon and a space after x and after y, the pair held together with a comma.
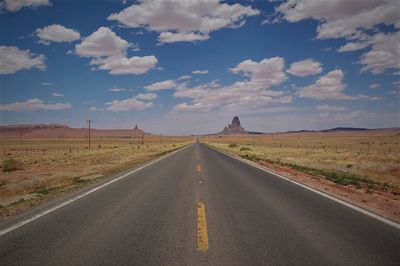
x: 202, y: 235
x: 62, y: 204
x: 347, y: 204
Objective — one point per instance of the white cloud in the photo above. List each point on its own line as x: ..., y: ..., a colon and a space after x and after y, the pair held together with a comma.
x: 385, y: 53
x: 353, y: 46
x: 200, y: 72
x: 131, y: 104
x: 109, y: 52
x: 196, y: 107
x: 12, y: 59
x: 162, y: 85
x: 178, y: 21
x: 57, y: 94
x: 305, y: 68
x: 47, y: 83
x: 330, y: 108
x: 171, y: 37
x: 33, y: 105
x: 184, y: 77
x: 355, y: 21
x: 117, y: 89
x: 374, y: 85
x: 342, y: 18
x: 15, y: 5
x: 267, y: 72
x: 57, y: 33
x: 146, y: 96
x: 251, y: 93
x: 329, y: 86
x: 120, y: 64
x: 103, y: 42
x: 353, y: 116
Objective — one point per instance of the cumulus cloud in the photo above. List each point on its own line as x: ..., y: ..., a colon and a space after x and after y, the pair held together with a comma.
x: 57, y: 33
x: 109, y: 52
x: 200, y: 72
x: 162, y: 85
x: 103, y: 42
x: 15, y: 5
x: 171, y: 37
x: 33, y: 105
x: 253, y: 92
x: 120, y: 64
x: 353, y: 46
x: 342, y: 18
x: 12, y: 59
x: 183, y: 21
x: 305, y: 68
x: 329, y: 86
x: 146, y: 96
x: 355, y: 21
x: 126, y: 105
x: 384, y: 54
x: 267, y: 72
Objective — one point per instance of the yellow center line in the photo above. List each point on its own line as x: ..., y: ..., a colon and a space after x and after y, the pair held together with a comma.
x: 198, y: 168
x: 202, y: 235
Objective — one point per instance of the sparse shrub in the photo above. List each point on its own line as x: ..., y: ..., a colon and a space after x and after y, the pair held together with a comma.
x: 349, y: 165
x: 233, y: 145
x: 78, y: 180
x: 43, y: 190
x: 251, y: 157
x: 10, y: 165
x: 245, y: 149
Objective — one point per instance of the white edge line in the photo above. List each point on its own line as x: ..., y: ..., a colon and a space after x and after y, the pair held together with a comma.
x: 62, y: 204
x: 347, y: 204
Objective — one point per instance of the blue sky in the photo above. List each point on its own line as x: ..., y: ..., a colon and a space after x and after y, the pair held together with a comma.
x: 188, y: 67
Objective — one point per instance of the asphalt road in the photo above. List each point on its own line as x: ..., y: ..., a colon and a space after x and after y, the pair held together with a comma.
x: 201, y: 207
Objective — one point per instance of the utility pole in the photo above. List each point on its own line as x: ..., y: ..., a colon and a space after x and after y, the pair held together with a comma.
x: 142, y: 138
x: 89, y: 121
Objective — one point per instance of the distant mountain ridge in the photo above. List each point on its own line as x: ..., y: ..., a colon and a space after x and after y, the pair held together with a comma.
x: 61, y: 130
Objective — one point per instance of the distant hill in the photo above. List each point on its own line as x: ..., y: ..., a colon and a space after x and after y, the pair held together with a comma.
x: 59, y: 130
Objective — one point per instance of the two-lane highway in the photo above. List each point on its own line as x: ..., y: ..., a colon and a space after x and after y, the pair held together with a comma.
x: 201, y: 207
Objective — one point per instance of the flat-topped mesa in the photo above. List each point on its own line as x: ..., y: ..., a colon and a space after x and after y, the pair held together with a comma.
x: 234, y: 127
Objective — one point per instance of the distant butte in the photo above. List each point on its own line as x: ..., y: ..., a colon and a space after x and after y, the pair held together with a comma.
x: 234, y: 128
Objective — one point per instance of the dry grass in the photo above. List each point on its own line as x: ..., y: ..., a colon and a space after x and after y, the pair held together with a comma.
x: 50, y: 167
x: 371, y: 154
